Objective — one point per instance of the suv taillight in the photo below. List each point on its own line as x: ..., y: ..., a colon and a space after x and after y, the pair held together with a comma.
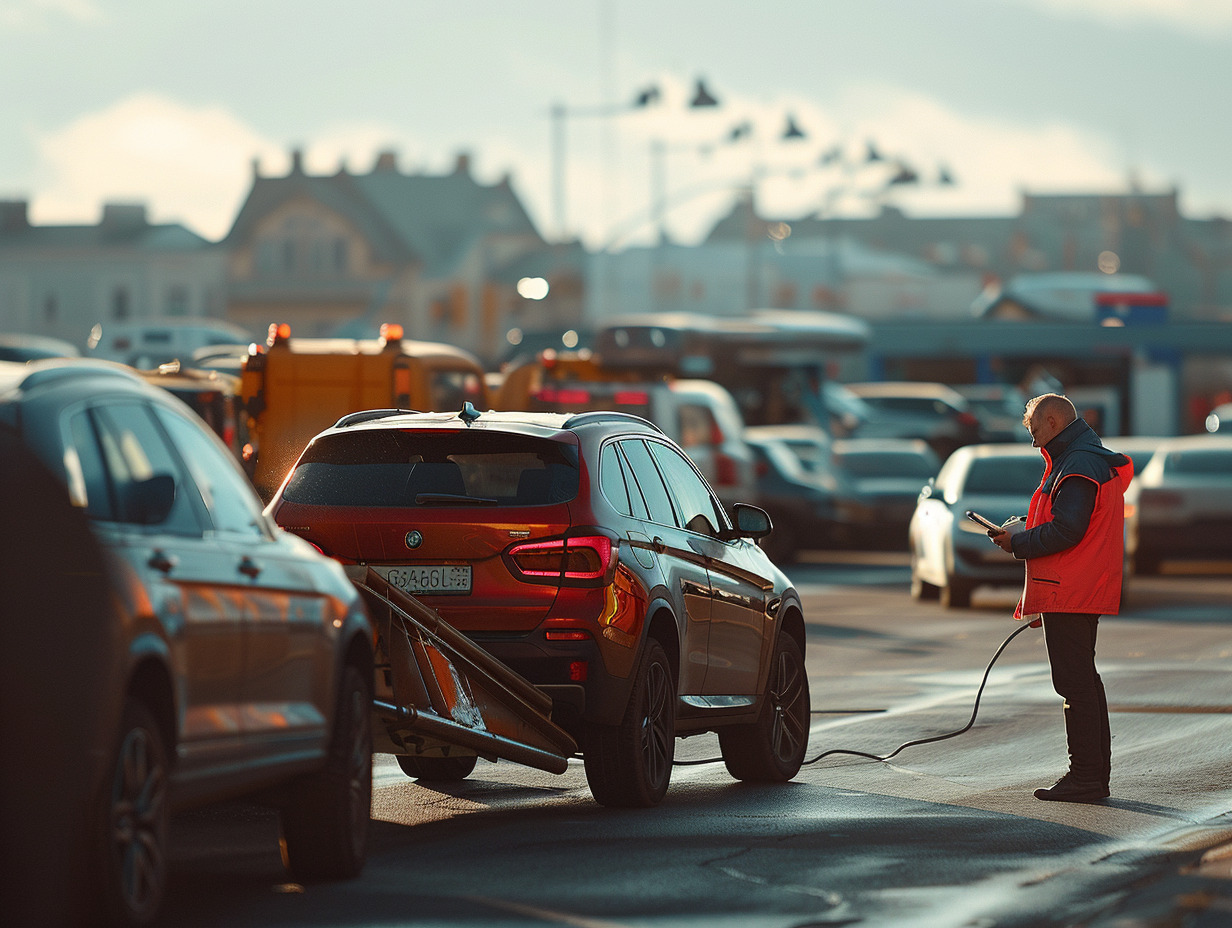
x: 582, y: 560
x: 726, y: 473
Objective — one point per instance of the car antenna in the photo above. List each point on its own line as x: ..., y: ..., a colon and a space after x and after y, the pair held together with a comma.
x: 469, y: 413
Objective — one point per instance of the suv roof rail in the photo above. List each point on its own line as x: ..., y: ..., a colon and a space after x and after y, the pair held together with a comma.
x: 367, y: 415
x: 584, y: 418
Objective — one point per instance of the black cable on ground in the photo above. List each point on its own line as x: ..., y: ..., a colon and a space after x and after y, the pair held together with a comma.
x: 974, y: 711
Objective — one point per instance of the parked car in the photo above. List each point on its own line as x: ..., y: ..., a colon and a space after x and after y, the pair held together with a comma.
x: 800, y: 501
x: 933, y: 412
x: 1180, y: 505
x: 878, y: 481
x: 699, y: 415
x: 811, y: 446
x: 999, y: 407
x: 16, y: 347
x: 150, y: 342
x: 213, y: 395
x: 245, y: 656
x: 951, y: 555
x: 587, y: 553
x: 1140, y: 448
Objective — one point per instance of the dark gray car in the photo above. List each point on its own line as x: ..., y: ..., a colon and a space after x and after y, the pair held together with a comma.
x: 240, y: 658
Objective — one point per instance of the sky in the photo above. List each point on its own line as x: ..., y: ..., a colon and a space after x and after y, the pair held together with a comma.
x: 172, y: 103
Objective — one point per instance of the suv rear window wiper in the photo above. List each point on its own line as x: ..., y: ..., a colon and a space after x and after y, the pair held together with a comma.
x: 454, y: 498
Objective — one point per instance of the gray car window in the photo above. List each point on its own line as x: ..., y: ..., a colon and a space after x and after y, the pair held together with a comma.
x: 93, y: 473
x: 646, y: 475
x: 134, y: 450
x: 699, y: 511
x: 230, y: 500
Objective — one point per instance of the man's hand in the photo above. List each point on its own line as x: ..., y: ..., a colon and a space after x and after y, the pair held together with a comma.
x: 1004, y: 539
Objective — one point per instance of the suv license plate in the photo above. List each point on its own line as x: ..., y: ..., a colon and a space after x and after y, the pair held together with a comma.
x: 448, y: 578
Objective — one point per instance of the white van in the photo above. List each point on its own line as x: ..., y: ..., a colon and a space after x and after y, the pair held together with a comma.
x: 699, y: 415
x: 147, y: 343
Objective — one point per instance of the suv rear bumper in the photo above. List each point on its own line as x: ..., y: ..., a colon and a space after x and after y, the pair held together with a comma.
x: 600, y: 697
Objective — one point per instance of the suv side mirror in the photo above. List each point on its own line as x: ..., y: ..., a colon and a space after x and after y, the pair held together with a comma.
x: 751, y: 522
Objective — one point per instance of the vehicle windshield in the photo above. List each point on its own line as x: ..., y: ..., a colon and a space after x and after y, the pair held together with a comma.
x: 393, y: 468
x: 1004, y: 475
x: 877, y: 464
x: 1203, y: 461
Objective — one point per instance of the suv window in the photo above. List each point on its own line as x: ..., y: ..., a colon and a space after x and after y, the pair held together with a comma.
x: 389, y: 468
x: 228, y: 497
x: 134, y: 450
x: 646, y: 475
x: 697, y: 507
x: 612, y: 479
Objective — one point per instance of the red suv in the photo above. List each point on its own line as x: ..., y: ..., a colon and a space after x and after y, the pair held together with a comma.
x: 586, y: 552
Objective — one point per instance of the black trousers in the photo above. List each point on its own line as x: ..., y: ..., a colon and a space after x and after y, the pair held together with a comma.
x: 1070, y: 639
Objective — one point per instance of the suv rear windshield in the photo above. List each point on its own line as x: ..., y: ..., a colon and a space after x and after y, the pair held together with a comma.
x: 404, y: 468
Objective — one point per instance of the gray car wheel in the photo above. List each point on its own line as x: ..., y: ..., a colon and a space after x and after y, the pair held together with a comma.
x: 135, y: 821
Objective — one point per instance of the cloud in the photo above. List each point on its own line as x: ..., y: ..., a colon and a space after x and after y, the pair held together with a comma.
x: 1198, y: 17
x: 189, y: 164
x: 40, y: 14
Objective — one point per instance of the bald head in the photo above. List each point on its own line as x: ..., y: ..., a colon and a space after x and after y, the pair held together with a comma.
x: 1046, y: 416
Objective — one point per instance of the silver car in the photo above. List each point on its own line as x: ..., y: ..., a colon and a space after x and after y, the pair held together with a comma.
x: 950, y: 554
x: 1180, y: 505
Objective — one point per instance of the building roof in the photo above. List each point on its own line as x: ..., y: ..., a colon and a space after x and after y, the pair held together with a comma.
x: 431, y: 219
x: 122, y: 226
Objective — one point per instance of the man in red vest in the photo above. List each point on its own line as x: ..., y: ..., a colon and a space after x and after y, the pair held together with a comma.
x: 1073, y: 543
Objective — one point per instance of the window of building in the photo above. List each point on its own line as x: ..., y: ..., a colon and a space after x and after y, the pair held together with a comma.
x: 177, y: 300
x: 120, y: 303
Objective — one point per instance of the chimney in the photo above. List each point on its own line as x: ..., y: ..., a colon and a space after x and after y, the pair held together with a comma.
x: 297, y: 161
x: 14, y: 216
x: 123, y: 217
x: 386, y: 162
x: 462, y: 165
x: 256, y: 168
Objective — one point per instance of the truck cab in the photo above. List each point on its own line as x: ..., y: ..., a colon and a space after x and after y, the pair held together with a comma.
x: 296, y: 387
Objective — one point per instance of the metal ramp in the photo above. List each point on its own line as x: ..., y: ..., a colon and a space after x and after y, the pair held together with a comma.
x: 438, y: 694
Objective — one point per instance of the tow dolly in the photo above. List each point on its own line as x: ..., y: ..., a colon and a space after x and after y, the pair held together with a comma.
x: 438, y: 694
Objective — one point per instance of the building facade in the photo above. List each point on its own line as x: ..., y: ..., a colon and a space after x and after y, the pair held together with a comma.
x: 62, y: 280
x: 340, y: 254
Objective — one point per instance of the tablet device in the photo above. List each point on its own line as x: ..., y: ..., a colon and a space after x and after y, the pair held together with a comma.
x: 987, y: 523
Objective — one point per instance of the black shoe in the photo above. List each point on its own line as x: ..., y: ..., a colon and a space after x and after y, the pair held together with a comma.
x: 1070, y: 789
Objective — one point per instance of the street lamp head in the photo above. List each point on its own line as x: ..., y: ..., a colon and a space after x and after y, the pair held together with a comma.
x: 792, y: 131
x: 904, y: 175
x: 646, y: 97
x: 702, y: 97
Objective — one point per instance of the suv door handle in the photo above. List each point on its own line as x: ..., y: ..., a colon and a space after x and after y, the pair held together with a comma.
x: 248, y: 567
x: 160, y: 561
x: 658, y: 545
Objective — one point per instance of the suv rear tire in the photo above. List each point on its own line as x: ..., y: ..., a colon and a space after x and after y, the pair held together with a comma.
x: 135, y: 821
x: 630, y: 764
x: 325, y: 824
x: 771, y: 750
x: 440, y: 769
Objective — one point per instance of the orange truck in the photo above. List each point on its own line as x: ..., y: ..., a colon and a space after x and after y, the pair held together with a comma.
x: 293, y: 388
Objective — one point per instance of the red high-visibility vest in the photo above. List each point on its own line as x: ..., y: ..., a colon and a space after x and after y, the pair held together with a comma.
x: 1086, y: 577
